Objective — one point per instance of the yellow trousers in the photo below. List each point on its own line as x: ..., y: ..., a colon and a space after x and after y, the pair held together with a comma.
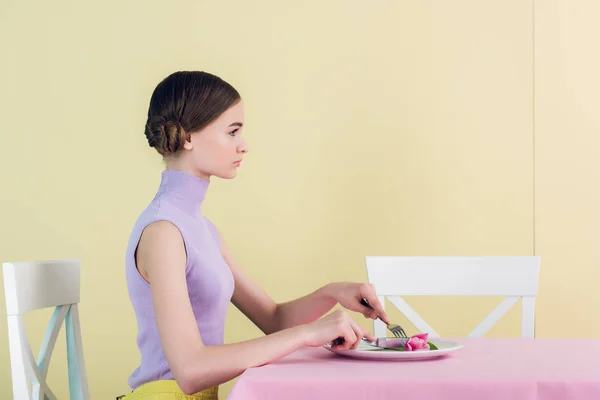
x: 168, y: 390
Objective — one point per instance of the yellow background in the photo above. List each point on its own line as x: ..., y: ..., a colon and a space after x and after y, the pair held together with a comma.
x: 458, y: 127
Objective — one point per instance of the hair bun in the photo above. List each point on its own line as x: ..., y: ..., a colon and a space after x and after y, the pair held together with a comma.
x: 165, y: 135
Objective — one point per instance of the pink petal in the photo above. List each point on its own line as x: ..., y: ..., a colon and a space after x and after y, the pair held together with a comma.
x: 423, y: 346
x: 422, y: 336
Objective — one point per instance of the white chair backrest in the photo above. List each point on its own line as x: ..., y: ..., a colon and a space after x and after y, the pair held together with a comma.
x: 35, y: 285
x: 513, y: 277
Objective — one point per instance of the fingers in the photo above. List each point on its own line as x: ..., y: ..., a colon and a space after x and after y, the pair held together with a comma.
x: 369, y: 336
x: 349, y: 338
x: 368, y: 292
x: 368, y: 313
x: 352, y: 336
x: 361, y: 333
x: 349, y: 334
x: 346, y: 331
x: 358, y: 332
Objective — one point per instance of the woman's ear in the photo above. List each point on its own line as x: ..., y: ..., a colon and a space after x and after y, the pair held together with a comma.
x: 188, y: 145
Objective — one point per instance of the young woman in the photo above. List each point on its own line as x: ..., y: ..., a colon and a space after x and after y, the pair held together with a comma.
x: 181, y: 275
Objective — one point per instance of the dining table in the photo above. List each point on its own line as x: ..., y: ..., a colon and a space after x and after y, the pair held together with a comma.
x: 482, y: 369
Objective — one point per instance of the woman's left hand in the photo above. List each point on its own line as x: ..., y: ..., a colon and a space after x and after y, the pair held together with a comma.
x: 349, y: 295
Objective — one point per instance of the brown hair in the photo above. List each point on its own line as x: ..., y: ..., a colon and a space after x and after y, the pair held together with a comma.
x: 185, y: 102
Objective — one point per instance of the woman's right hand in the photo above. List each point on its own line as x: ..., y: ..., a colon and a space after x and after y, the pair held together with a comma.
x: 336, y: 325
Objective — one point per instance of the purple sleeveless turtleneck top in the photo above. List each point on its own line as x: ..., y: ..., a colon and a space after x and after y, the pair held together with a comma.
x: 209, y: 279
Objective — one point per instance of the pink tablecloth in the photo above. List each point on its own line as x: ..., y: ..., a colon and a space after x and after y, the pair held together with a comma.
x: 488, y: 369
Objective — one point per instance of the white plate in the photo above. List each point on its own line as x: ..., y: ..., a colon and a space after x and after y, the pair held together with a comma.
x: 367, y: 351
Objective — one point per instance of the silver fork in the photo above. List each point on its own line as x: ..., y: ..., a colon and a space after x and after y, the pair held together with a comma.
x: 396, y: 330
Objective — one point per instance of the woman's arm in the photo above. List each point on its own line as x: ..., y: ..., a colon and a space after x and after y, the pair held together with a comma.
x: 271, y: 317
x: 161, y: 259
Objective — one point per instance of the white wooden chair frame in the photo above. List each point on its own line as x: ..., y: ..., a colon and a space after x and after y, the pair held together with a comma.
x: 513, y: 277
x: 36, y: 285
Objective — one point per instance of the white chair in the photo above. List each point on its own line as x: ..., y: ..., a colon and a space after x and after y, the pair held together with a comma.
x: 35, y: 285
x: 513, y: 277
